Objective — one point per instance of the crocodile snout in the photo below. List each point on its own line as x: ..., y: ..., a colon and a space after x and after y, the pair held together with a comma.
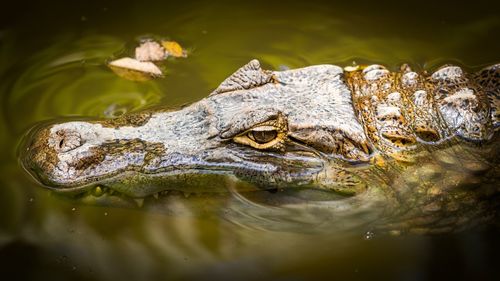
x: 39, y: 157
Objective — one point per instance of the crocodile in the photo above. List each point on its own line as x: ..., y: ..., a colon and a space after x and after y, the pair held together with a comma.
x: 345, y: 130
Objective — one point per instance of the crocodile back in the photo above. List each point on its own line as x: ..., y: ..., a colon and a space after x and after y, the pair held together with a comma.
x: 403, y: 110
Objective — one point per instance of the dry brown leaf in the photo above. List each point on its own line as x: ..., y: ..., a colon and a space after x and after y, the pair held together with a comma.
x: 150, y: 51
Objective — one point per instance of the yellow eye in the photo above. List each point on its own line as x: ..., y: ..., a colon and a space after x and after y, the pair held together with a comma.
x: 271, y: 134
x: 262, y: 137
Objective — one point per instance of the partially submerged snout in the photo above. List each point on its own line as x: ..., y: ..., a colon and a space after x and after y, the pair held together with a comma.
x: 135, y: 158
x: 73, y: 155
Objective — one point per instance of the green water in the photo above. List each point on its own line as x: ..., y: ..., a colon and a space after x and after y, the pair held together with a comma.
x: 52, y: 65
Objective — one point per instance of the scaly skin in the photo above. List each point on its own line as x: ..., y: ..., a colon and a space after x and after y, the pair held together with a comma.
x: 316, y: 127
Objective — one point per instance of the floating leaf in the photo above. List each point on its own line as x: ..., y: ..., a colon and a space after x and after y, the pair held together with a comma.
x: 135, y: 70
x: 150, y: 51
x: 173, y: 49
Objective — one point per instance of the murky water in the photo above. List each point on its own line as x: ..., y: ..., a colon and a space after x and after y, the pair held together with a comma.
x: 52, y: 66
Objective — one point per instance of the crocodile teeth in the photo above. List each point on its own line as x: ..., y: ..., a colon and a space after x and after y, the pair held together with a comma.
x: 139, y: 201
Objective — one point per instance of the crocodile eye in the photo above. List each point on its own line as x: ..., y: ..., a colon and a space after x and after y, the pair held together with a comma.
x: 268, y: 135
x: 262, y: 136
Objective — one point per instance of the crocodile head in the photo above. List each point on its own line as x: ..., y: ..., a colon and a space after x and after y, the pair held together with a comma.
x: 272, y: 129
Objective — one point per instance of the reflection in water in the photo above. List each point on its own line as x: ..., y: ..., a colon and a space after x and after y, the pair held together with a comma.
x: 291, y: 234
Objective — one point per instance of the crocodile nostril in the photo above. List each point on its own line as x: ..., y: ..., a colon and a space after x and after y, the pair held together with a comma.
x: 65, y: 140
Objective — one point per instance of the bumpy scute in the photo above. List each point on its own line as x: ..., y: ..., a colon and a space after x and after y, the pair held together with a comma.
x: 400, y: 109
x: 489, y: 79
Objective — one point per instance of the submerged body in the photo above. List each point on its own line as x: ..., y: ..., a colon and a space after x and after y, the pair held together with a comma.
x: 347, y: 131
